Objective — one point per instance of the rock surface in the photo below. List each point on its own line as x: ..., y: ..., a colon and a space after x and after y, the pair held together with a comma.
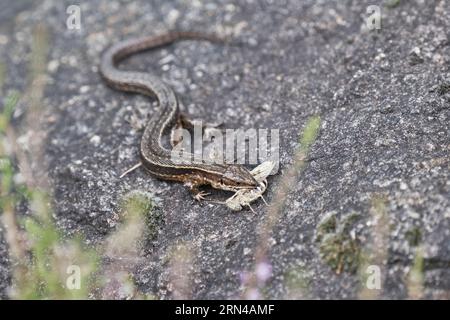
x: 383, y: 97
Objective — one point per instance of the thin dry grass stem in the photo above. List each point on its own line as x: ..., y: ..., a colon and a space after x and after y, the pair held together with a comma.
x: 36, y: 89
x: 35, y: 113
x: 13, y: 235
x: 181, y: 260
x: 2, y: 76
x: 286, y: 184
x: 415, y: 281
x: 377, y: 253
x: 122, y: 248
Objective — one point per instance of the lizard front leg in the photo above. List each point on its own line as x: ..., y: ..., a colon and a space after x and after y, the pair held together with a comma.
x: 198, y: 194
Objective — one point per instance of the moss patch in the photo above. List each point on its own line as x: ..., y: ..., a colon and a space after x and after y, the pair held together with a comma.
x: 338, y: 244
x: 392, y: 3
x: 141, y: 204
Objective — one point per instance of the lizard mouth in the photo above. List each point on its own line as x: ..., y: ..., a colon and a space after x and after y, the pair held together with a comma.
x: 237, y: 188
x: 246, y: 187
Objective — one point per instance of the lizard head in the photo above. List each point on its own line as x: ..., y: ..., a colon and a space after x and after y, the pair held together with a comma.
x: 235, y: 178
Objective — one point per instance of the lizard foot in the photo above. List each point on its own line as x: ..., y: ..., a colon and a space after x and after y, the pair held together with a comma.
x: 199, y: 196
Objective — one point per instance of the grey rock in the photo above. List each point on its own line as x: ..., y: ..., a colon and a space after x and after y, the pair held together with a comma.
x: 384, y: 131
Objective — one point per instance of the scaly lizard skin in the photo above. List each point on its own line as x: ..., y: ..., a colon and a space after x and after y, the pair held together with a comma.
x: 154, y: 156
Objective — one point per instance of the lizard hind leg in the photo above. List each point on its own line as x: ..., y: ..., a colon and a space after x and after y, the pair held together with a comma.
x: 189, y: 123
x: 184, y: 122
x: 176, y: 136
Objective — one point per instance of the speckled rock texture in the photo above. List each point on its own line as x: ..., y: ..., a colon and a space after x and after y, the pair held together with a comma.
x: 383, y: 97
